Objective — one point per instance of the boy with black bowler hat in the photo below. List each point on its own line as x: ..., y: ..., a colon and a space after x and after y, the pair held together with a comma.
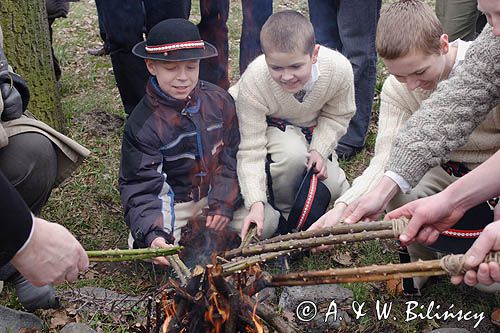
x: 179, y: 145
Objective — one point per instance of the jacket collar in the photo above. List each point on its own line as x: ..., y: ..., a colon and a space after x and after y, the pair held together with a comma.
x: 158, y: 96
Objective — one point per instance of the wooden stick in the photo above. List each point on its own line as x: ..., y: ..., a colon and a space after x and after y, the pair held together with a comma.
x: 417, y: 266
x: 240, y: 265
x: 335, y: 230
x: 300, y: 244
x: 251, y: 233
x: 131, y: 254
x: 350, y: 279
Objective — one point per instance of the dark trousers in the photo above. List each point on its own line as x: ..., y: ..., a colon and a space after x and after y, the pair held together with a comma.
x: 255, y: 14
x: 349, y: 26
x: 213, y: 29
x: 29, y: 162
x: 124, y: 23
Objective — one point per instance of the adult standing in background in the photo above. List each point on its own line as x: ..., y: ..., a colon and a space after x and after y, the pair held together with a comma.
x: 124, y: 23
x: 349, y: 26
x: 213, y: 29
x: 459, y: 18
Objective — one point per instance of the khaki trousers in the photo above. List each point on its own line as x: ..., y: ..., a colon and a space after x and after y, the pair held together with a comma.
x: 289, y: 154
x: 458, y: 18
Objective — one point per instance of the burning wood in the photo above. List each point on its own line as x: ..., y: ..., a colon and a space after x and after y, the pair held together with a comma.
x: 211, y: 302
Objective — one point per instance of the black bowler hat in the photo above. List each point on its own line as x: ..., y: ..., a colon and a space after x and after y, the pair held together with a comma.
x: 174, y: 40
x: 459, y: 238
x: 311, y: 201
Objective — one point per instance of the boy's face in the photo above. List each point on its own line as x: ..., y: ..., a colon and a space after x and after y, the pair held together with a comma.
x: 491, y: 8
x: 176, y: 78
x: 418, y: 69
x: 291, y: 70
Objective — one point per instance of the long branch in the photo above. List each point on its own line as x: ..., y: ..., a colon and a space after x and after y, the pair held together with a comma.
x: 312, y: 242
x: 131, y: 254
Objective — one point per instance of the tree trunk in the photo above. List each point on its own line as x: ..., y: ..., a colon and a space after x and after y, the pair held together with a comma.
x: 27, y: 46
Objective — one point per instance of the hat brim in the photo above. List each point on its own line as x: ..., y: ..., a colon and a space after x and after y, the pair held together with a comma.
x: 302, y: 216
x: 178, y: 55
x: 476, y: 218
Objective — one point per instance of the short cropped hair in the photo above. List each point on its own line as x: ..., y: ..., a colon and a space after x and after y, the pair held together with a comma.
x: 287, y: 31
x: 405, y: 26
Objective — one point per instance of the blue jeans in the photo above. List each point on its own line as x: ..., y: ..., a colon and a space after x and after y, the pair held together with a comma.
x: 349, y: 26
x: 255, y: 14
x: 124, y: 22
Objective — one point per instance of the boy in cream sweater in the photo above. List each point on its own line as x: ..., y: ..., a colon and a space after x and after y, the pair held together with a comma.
x: 293, y: 104
x: 417, y: 63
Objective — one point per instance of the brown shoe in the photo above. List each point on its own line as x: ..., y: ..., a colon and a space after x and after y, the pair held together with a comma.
x: 98, y: 51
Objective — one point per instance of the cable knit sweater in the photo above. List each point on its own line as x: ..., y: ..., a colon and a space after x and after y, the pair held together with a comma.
x: 329, y: 107
x: 397, y: 105
x: 448, y: 117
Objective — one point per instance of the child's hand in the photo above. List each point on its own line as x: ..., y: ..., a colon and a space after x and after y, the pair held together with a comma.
x: 159, y: 242
x: 318, y: 162
x: 217, y: 222
x: 329, y: 219
x: 256, y: 216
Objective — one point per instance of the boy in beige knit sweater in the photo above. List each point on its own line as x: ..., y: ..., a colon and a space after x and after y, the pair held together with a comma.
x: 293, y: 104
x: 417, y: 62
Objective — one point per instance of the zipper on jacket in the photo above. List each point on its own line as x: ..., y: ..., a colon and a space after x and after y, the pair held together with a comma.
x: 198, y: 139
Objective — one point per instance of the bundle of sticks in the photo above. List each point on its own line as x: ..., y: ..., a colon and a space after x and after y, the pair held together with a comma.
x: 246, y: 256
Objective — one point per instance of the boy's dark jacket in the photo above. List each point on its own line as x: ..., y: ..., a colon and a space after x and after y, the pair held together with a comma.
x: 177, y: 151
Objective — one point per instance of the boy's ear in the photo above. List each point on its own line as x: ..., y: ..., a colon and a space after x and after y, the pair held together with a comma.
x: 315, y: 53
x: 150, y: 66
x: 444, y: 44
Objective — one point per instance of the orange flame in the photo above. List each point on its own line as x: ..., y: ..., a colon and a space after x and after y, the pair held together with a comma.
x: 256, y: 320
x: 217, y: 306
x: 169, y: 308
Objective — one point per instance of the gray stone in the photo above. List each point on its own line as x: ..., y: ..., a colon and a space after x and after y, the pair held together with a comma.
x: 450, y: 330
x: 76, y: 328
x: 13, y: 321
x: 99, y: 299
x: 304, y: 301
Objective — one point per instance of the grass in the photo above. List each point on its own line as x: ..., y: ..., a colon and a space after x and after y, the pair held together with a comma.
x: 88, y: 203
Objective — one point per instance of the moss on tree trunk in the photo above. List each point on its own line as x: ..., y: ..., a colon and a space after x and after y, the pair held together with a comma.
x: 27, y: 46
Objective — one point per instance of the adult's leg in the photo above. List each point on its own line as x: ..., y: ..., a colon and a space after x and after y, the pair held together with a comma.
x: 323, y: 16
x: 458, y: 18
x: 213, y: 29
x: 358, y: 45
x: 123, y: 22
x: 29, y: 162
x: 255, y: 14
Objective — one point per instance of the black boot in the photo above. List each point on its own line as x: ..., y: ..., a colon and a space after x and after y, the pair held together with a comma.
x: 31, y: 297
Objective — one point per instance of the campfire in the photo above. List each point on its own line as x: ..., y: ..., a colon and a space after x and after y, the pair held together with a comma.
x: 223, y: 296
x: 211, y: 302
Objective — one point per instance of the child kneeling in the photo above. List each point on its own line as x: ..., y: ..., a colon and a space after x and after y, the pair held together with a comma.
x: 179, y: 144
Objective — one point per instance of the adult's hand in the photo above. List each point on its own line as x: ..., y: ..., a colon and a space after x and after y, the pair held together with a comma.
x: 256, y: 216
x: 486, y: 274
x: 371, y: 205
x: 52, y: 255
x: 317, y: 162
x: 217, y: 222
x: 428, y: 218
